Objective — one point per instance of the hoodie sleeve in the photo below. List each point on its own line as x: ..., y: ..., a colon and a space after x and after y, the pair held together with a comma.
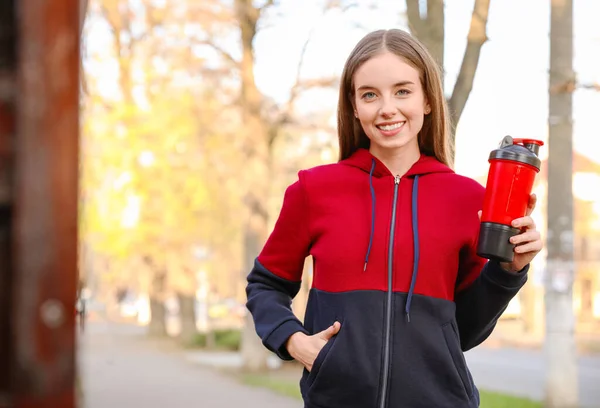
x: 483, y: 292
x: 276, y: 276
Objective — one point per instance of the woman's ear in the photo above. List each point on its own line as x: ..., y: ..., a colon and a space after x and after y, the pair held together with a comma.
x: 427, y: 109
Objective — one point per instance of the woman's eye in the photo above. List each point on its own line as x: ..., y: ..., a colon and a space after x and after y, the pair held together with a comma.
x: 403, y: 92
x: 368, y: 95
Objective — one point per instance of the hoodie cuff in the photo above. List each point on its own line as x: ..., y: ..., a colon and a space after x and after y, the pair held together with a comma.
x: 495, y: 273
x: 278, y: 337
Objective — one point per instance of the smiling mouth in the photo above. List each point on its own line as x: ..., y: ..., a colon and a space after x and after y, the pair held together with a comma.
x: 390, y: 127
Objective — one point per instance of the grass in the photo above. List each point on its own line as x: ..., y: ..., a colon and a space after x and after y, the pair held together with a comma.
x: 290, y: 388
x: 497, y: 400
x: 229, y: 339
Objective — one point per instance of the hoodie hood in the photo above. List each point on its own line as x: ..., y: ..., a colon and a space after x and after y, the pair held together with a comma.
x: 363, y: 159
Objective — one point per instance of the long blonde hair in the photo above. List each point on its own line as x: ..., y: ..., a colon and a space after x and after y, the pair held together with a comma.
x: 434, y: 137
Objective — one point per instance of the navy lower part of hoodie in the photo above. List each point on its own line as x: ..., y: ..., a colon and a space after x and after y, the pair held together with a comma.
x: 427, y: 367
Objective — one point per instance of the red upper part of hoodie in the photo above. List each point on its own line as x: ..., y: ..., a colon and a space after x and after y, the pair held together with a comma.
x: 328, y: 212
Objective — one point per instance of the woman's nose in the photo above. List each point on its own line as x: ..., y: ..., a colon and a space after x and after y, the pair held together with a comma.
x: 388, y: 108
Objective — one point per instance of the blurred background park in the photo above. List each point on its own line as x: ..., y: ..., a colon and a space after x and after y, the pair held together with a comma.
x: 195, y: 116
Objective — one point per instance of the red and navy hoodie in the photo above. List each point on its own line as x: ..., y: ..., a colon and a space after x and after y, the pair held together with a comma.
x: 395, y: 263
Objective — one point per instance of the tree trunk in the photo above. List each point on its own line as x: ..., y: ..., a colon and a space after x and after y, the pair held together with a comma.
x: 254, y: 353
x: 187, y: 314
x: 466, y: 76
x: 560, y: 350
x: 158, y: 325
x: 429, y: 29
x: 256, y: 148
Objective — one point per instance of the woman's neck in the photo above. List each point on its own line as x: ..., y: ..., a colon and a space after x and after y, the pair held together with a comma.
x: 398, y: 161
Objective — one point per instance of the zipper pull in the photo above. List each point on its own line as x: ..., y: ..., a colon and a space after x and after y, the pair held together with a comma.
x: 396, y: 179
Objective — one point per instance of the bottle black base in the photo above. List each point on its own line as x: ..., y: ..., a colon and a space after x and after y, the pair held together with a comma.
x: 494, y: 242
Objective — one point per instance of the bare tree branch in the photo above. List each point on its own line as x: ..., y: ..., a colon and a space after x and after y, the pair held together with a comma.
x: 594, y: 86
x: 211, y: 43
x: 286, y: 116
x: 571, y: 85
x: 265, y: 6
x: 301, y: 85
x: 436, y: 27
x: 209, y: 12
x: 112, y: 20
x: 430, y: 29
x: 476, y: 38
x: 415, y: 22
x: 296, y: 87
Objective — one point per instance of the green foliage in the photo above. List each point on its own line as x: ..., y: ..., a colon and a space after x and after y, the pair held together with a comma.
x: 498, y: 400
x: 224, y: 340
x: 148, y: 184
x: 285, y: 387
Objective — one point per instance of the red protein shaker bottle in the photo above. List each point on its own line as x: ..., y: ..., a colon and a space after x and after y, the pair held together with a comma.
x: 513, y: 167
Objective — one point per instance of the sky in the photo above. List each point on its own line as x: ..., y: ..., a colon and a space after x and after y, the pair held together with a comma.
x: 510, y: 92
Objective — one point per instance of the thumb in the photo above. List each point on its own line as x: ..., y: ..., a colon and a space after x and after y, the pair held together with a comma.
x: 479, y: 214
x: 330, y: 331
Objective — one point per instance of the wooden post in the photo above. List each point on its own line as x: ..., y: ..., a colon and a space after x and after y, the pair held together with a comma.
x: 8, y: 72
x: 39, y: 132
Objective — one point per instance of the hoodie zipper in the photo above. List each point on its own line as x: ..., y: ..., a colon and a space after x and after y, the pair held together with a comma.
x: 388, y: 309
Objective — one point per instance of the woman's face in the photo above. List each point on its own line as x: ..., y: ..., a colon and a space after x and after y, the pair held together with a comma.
x: 390, y: 103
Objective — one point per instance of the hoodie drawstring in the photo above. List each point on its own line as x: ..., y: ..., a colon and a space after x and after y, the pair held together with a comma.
x: 415, y: 228
x: 372, y: 213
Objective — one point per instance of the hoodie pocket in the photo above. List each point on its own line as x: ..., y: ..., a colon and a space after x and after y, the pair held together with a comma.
x: 345, y: 373
x: 453, y: 345
x: 320, y: 359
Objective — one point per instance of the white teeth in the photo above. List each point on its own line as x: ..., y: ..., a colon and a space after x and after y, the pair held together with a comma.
x: 391, y: 127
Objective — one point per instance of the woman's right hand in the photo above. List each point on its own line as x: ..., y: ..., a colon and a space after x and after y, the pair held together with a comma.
x: 305, y: 348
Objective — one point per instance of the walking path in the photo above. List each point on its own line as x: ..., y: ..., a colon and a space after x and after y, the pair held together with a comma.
x: 121, y: 369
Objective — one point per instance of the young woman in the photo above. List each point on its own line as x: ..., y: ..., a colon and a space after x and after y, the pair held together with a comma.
x: 399, y: 292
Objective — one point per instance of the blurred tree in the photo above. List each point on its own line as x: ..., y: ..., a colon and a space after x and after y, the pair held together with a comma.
x: 426, y: 21
x: 159, y: 196
x: 151, y: 188
x: 561, y: 353
x: 263, y: 123
x: 127, y: 43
